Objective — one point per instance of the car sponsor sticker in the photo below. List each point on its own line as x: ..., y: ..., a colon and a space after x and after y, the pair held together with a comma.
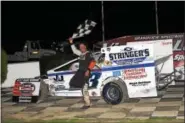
x: 116, y: 73
x: 141, y: 83
x: 129, y: 55
x: 28, y: 80
x: 136, y: 73
x: 27, y: 89
x: 178, y: 58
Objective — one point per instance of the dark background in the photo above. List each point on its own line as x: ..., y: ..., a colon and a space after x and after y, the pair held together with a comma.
x: 56, y: 21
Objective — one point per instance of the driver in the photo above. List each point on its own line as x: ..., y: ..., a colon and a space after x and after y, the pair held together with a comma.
x: 81, y: 77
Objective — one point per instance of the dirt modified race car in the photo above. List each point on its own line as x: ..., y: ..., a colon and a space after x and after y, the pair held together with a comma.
x: 121, y: 72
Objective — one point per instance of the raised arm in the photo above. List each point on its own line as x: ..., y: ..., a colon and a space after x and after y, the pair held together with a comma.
x: 73, y: 47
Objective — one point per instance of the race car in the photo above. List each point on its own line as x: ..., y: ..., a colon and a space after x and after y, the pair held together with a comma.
x: 121, y: 72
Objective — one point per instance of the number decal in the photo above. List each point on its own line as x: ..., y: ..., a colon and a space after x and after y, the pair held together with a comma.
x: 59, y: 78
x: 93, y: 81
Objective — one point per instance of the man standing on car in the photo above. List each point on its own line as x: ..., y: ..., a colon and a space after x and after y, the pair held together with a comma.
x: 81, y: 77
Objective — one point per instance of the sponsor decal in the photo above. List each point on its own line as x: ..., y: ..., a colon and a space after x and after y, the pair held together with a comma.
x: 136, y: 73
x: 158, y: 37
x: 27, y: 101
x: 166, y: 43
x: 142, y: 83
x: 129, y: 55
x: 27, y: 89
x: 178, y: 40
x: 128, y: 49
x: 116, y: 73
x: 28, y: 80
x: 179, y: 57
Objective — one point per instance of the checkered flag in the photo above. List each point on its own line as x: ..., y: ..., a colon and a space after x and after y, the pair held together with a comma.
x: 84, y: 29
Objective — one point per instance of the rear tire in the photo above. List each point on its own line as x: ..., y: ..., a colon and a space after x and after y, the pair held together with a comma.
x: 115, y: 93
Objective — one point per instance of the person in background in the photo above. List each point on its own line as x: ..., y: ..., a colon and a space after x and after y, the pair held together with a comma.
x: 81, y: 77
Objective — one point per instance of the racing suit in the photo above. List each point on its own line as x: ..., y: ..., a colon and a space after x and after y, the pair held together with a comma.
x: 79, y: 80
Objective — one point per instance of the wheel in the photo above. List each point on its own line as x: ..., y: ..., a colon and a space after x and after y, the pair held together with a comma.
x: 115, y: 93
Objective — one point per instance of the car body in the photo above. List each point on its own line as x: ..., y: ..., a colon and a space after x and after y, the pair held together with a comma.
x: 121, y: 72
x: 105, y: 73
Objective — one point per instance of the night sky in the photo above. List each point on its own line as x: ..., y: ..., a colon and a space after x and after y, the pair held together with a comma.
x: 56, y: 21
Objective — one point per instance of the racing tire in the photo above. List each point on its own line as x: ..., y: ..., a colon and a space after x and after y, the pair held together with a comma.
x: 115, y: 93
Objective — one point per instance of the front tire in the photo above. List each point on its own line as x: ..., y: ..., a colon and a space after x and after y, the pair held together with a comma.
x: 115, y: 93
